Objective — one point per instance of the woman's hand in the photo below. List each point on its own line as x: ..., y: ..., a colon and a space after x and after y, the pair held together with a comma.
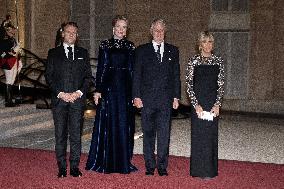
x: 97, y: 96
x: 138, y: 102
x: 215, y: 110
x: 199, y: 111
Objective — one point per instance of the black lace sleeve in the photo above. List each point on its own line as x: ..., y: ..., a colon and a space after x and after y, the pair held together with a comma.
x: 189, y: 80
x: 220, y: 81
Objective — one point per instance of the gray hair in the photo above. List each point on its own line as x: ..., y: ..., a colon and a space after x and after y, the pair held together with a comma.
x: 157, y: 21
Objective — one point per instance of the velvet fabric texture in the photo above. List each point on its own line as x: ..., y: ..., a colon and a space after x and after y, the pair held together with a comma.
x: 204, y: 134
x: 112, y: 142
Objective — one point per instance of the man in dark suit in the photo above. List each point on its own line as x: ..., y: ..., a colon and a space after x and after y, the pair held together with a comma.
x: 68, y: 73
x: 156, y: 89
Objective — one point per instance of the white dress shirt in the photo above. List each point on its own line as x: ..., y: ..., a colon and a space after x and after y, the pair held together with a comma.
x: 66, y: 50
x: 66, y: 53
x: 162, y: 48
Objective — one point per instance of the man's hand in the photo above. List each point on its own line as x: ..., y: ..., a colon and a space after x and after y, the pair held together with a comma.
x: 138, y: 102
x: 175, y: 104
x: 97, y: 96
x: 74, y: 96
x: 69, y: 97
x: 64, y: 96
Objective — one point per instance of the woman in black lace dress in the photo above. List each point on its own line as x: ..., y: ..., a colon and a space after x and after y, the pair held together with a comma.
x: 113, y: 135
x: 205, y: 87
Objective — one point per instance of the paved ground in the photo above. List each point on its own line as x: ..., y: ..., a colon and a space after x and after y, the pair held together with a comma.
x: 255, y: 138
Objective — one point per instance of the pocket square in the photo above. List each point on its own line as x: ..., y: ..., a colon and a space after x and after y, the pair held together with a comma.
x: 80, y: 58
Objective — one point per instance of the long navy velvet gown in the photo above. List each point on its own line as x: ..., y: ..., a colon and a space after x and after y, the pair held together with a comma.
x: 112, y: 142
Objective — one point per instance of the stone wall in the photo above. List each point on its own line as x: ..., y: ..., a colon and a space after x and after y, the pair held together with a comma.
x: 264, y: 77
x: 44, y: 19
x: 266, y: 58
x: 94, y: 20
x: 262, y: 45
x: 184, y: 20
x: 278, y: 51
x: 38, y: 21
x: 3, y: 10
x: 17, y: 11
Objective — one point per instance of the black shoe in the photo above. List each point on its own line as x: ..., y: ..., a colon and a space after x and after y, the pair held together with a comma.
x: 62, y: 173
x: 8, y: 96
x: 149, y: 172
x: 75, y: 172
x: 163, y: 172
x: 10, y: 103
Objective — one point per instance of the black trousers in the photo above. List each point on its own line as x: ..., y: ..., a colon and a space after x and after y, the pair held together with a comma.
x: 68, y: 121
x: 156, y: 123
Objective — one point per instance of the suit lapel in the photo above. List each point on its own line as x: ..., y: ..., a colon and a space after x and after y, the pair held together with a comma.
x: 76, y: 52
x: 166, y: 52
x: 62, y: 53
x: 152, y: 52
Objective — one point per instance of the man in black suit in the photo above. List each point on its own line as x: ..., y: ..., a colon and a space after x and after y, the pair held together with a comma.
x: 156, y: 88
x: 68, y: 73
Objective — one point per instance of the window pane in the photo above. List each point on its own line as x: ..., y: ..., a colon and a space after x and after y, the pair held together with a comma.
x: 221, y: 48
x: 240, y: 5
x: 220, y: 5
x: 239, y: 64
x: 233, y: 48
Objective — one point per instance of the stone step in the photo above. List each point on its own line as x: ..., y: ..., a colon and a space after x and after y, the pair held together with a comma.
x: 18, y: 110
x: 47, y: 124
x: 20, y: 124
x: 25, y: 117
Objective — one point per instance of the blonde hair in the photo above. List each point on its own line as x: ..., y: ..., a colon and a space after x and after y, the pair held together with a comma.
x: 203, y: 36
x: 117, y: 18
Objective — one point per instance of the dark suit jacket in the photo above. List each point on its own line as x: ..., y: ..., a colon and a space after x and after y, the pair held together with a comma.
x: 156, y: 83
x: 64, y: 75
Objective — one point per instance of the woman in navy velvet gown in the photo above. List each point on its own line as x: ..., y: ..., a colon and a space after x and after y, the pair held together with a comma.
x: 112, y: 142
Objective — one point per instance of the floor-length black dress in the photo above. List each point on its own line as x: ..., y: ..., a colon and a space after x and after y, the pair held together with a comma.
x: 205, y: 88
x: 113, y: 135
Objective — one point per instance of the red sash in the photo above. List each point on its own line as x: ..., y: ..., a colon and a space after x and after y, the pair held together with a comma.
x: 8, y: 63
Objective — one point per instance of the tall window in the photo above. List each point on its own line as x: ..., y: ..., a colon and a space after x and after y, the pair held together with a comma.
x: 234, y: 49
x: 232, y: 43
x: 230, y: 5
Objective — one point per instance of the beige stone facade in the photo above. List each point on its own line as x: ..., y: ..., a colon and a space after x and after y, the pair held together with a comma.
x: 263, y: 80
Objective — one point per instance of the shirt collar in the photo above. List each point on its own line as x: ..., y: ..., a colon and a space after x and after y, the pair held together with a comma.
x: 65, y: 45
x: 155, y: 43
